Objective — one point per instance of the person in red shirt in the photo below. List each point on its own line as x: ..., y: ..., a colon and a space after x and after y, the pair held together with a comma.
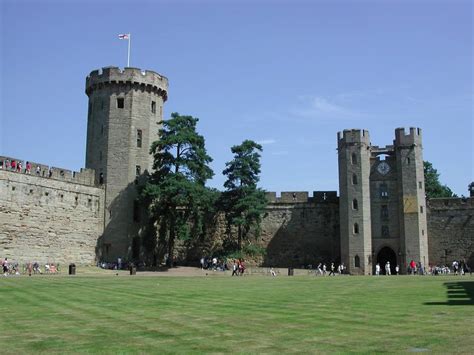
x: 412, y: 266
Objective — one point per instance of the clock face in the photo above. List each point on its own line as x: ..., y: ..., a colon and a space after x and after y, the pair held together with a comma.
x: 383, y: 168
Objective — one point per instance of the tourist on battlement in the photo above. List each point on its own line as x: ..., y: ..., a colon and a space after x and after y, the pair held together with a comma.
x: 38, y: 170
x: 19, y: 167
x: 13, y: 165
x: 1, y: 164
x: 28, y: 168
x: 50, y: 172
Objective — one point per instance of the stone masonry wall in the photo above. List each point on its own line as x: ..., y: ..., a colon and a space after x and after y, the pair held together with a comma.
x: 297, y: 230
x: 49, y: 220
x: 301, y: 234
x: 451, y: 230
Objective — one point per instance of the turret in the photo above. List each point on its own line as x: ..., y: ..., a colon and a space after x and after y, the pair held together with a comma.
x: 355, y: 216
x: 411, y: 195
x: 125, y: 108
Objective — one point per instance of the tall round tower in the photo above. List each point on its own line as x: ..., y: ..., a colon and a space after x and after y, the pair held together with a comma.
x: 125, y: 108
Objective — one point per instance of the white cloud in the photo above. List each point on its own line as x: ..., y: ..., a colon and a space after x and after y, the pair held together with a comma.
x: 320, y: 107
x: 266, y: 141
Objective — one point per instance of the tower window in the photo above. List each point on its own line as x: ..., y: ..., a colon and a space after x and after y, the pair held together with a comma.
x: 383, y: 190
x: 102, y: 130
x: 354, y: 179
x: 408, y: 161
x: 384, y: 212
x: 139, y: 138
x: 356, y: 228
x: 355, y: 204
x: 420, y: 185
x: 385, y: 233
x: 100, y: 155
x: 354, y: 158
x: 120, y: 102
x: 161, y: 111
x: 153, y: 107
x: 421, y: 209
x: 357, y: 261
x: 138, y: 170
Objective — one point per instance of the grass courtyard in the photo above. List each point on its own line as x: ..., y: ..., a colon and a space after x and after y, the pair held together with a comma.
x: 254, y: 314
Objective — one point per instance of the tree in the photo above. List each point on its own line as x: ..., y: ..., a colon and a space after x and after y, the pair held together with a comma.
x: 243, y: 202
x: 176, y: 190
x: 433, y: 187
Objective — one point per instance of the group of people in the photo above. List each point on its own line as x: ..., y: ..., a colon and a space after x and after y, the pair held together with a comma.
x: 322, y: 269
x: 238, y: 267
x: 13, y: 268
x: 388, y: 270
x: 17, y: 166
x: 208, y: 263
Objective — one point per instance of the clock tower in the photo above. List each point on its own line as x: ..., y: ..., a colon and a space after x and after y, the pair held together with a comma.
x: 382, y: 202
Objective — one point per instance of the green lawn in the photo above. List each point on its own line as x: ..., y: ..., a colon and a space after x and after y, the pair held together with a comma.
x: 256, y: 314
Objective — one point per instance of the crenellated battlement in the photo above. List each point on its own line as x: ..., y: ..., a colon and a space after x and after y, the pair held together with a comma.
x: 353, y: 136
x: 133, y: 77
x: 407, y: 139
x: 302, y: 197
x: 83, y: 177
x: 449, y: 203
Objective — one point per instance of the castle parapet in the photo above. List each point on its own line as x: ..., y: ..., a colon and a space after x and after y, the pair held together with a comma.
x: 450, y: 203
x: 353, y: 136
x: 302, y: 197
x: 407, y: 139
x: 83, y: 177
x: 139, y: 79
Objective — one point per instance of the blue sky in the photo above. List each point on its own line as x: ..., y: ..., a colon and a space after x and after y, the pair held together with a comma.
x: 289, y: 74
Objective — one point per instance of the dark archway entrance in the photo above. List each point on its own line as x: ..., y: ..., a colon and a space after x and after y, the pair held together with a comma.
x: 387, y: 254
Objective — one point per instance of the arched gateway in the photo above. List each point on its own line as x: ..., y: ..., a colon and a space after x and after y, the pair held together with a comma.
x: 387, y: 254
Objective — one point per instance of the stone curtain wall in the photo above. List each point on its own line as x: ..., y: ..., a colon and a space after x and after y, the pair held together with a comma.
x: 49, y: 220
x: 451, y: 230
x: 301, y: 234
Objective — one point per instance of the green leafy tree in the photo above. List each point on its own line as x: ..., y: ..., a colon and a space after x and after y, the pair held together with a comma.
x: 433, y: 187
x: 176, y: 191
x: 244, y: 203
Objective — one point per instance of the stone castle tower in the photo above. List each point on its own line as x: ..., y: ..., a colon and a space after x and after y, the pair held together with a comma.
x: 382, y: 201
x: 125, y: 108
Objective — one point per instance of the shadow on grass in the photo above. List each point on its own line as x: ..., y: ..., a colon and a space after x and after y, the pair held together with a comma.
x: 460, y: 293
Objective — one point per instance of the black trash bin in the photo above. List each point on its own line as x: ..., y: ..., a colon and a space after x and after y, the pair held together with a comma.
x: 133, y: 269
x: 72, y: 269
x: 291, y: 271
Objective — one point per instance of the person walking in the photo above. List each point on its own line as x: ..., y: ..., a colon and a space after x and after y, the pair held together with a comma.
x: 377, y: 269
x: 387, y: 269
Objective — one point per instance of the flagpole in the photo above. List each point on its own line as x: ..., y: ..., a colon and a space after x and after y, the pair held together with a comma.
x: 128, y: 57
